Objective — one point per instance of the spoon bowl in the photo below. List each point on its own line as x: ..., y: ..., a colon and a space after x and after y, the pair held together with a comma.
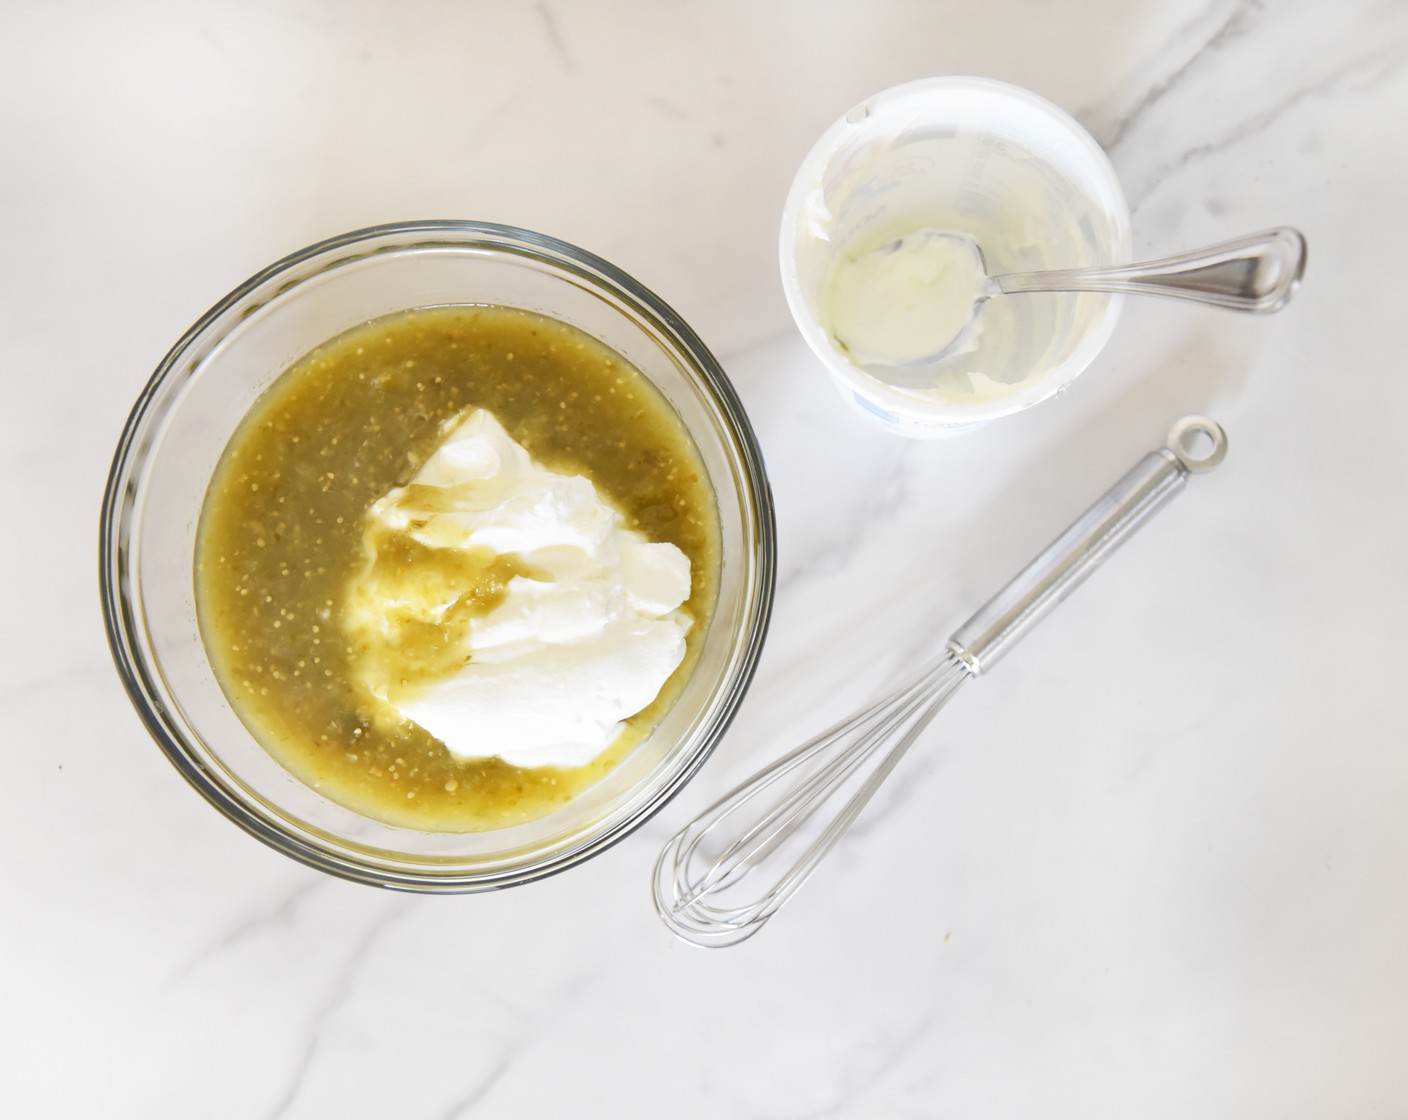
x: 1258, y: 273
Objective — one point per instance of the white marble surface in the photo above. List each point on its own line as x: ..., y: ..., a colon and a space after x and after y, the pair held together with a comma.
x: 1156, y: 866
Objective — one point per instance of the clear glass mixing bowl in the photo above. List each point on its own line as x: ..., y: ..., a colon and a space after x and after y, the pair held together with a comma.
x: 198, y: 396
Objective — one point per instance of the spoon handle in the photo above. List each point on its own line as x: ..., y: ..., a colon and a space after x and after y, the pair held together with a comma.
x: 1259, y: 272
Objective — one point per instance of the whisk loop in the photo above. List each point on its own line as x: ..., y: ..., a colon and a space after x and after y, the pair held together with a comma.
x: 731, y: 869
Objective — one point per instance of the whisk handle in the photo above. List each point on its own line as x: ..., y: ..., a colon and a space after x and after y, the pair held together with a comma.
x: 1194, y: 444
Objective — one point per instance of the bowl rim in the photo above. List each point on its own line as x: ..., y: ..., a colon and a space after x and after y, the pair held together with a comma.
x: 117, y: 525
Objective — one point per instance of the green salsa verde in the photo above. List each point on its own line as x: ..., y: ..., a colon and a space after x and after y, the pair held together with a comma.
x: 280, y: 537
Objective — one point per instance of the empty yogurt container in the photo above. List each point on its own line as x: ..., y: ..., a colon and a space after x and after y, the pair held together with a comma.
x: 868, y: 239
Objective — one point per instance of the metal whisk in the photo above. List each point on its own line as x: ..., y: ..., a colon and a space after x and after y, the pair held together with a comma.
x: 731, y: 869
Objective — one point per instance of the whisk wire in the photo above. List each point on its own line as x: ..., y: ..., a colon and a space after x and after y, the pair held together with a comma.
x: 689, y: 886
x: 797, y: 807
x: 752, y: 846
x: 794, y: 880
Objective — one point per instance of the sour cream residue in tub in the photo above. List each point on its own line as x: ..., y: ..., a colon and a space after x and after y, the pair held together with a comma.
x: 905, y: 300
x: 584, y: 622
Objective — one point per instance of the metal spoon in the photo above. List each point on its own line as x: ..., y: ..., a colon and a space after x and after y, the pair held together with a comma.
x: 1258, y: 273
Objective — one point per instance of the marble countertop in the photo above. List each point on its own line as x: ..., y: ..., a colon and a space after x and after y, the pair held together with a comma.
x: 1155, y: 866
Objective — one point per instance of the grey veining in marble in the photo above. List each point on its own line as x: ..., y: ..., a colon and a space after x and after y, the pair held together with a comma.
x: 1153, y: 867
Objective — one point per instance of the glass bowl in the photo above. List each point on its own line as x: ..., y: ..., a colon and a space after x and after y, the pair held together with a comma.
x: 179, y: 428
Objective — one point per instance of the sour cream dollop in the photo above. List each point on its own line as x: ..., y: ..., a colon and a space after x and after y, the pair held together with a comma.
x: 907, y: 300
x: 584, y: 636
